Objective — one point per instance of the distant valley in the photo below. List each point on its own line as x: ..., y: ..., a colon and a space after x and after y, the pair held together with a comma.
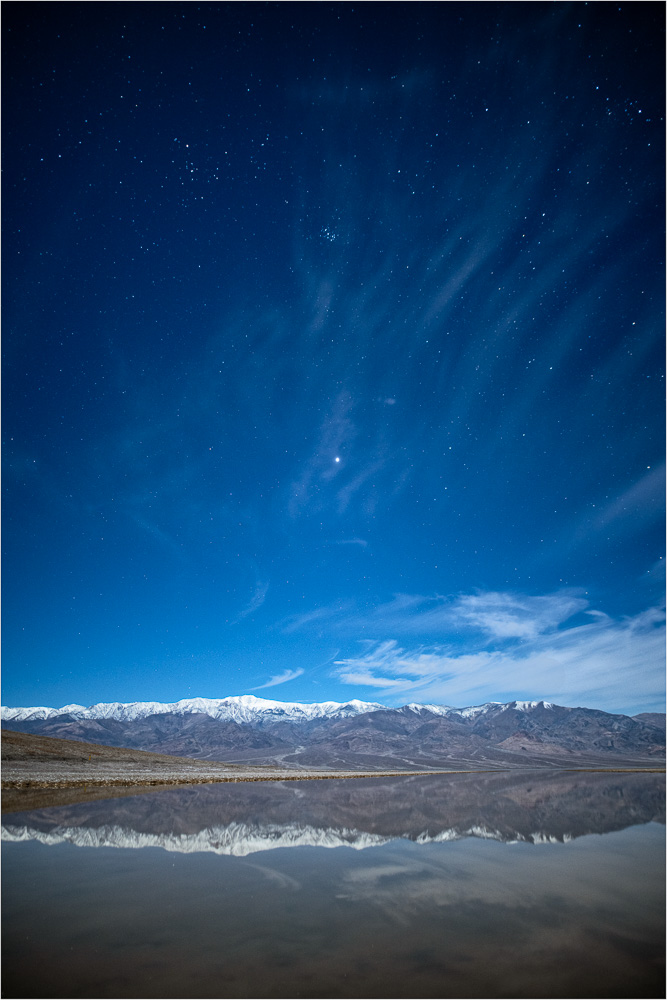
x: 358, y: 735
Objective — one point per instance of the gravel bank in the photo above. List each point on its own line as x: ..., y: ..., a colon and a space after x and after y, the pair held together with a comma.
x: 44, y: 762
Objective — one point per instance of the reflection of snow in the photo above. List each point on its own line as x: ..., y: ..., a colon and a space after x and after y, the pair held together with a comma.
x: 238, y: 839
x: 241, y: 839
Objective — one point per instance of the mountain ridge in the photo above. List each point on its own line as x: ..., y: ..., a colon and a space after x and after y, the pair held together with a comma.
x: 358, y: 735
x: 248, y: 708
x: 237, y: 708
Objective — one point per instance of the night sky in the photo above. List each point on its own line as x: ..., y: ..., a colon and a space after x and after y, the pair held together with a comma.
x: 333, y: 352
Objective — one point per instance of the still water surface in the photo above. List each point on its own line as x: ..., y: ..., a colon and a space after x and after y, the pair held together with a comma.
x: 540, y: 885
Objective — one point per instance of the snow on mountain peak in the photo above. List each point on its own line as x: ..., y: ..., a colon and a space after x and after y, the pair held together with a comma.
x: 434, y: 709
x: 474, y: 710
x: 247, y: 708
x: 242, y: 708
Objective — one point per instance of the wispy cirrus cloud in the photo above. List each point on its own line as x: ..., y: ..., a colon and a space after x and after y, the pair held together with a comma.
x: 515, y: 616
x: 638, y: 506
x: 617, y: 665
x: 490, y: 616
x: 338, y: 471
x: 287, y: 675
x: 336, y: 434
x: 644, y: 500
x: 257, y: 599
x: 330, y: 614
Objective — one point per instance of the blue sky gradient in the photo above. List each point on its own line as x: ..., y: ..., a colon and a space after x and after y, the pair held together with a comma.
x: 333, y: 353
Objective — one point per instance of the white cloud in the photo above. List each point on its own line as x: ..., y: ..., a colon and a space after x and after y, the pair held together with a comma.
x: 505, y: 616
x: 490, y: 616
x: 287, y: 675
x: 616, y: 665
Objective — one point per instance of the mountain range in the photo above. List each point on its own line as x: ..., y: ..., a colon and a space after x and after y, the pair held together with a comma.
x: 359, y: 735
x: 244, y: 709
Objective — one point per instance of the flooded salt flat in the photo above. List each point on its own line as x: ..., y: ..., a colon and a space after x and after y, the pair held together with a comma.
x: 544, y: 884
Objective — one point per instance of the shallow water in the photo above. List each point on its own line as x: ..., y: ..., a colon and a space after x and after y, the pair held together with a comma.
x: 541, y: 885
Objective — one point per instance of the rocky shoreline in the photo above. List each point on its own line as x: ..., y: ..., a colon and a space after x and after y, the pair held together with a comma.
x: 32, y: 763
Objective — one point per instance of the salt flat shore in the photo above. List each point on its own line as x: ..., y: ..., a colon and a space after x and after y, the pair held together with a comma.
x: 38, y: 771
x: 32, y: 762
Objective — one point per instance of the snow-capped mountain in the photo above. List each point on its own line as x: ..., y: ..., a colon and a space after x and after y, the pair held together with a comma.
x: 355, y: 734
x: 248, y: 709
x: 242, y: 709
x: 475, y: 710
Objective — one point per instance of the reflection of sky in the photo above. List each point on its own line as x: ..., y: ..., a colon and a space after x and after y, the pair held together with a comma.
x: 410, y: 881
x: 579, y: 919
x: 333, y: 354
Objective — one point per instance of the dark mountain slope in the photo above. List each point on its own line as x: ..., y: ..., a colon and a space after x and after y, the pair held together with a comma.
x: 513, y: 735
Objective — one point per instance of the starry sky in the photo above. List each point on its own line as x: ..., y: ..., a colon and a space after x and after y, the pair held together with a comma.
x: 333, y: 352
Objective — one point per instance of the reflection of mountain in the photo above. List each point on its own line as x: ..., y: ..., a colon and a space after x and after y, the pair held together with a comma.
x: 358, y: 736
x: 238, y: 839
x: 243, y: 818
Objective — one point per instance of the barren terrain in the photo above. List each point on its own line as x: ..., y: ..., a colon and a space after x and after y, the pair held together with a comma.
x: 43, y: 764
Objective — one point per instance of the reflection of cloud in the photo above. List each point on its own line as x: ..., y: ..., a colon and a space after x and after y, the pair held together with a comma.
x: 603, y: 662
x: 287, y: 675
x: 280, y: 879
x: 474, y: 874
x: 403, y: 889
